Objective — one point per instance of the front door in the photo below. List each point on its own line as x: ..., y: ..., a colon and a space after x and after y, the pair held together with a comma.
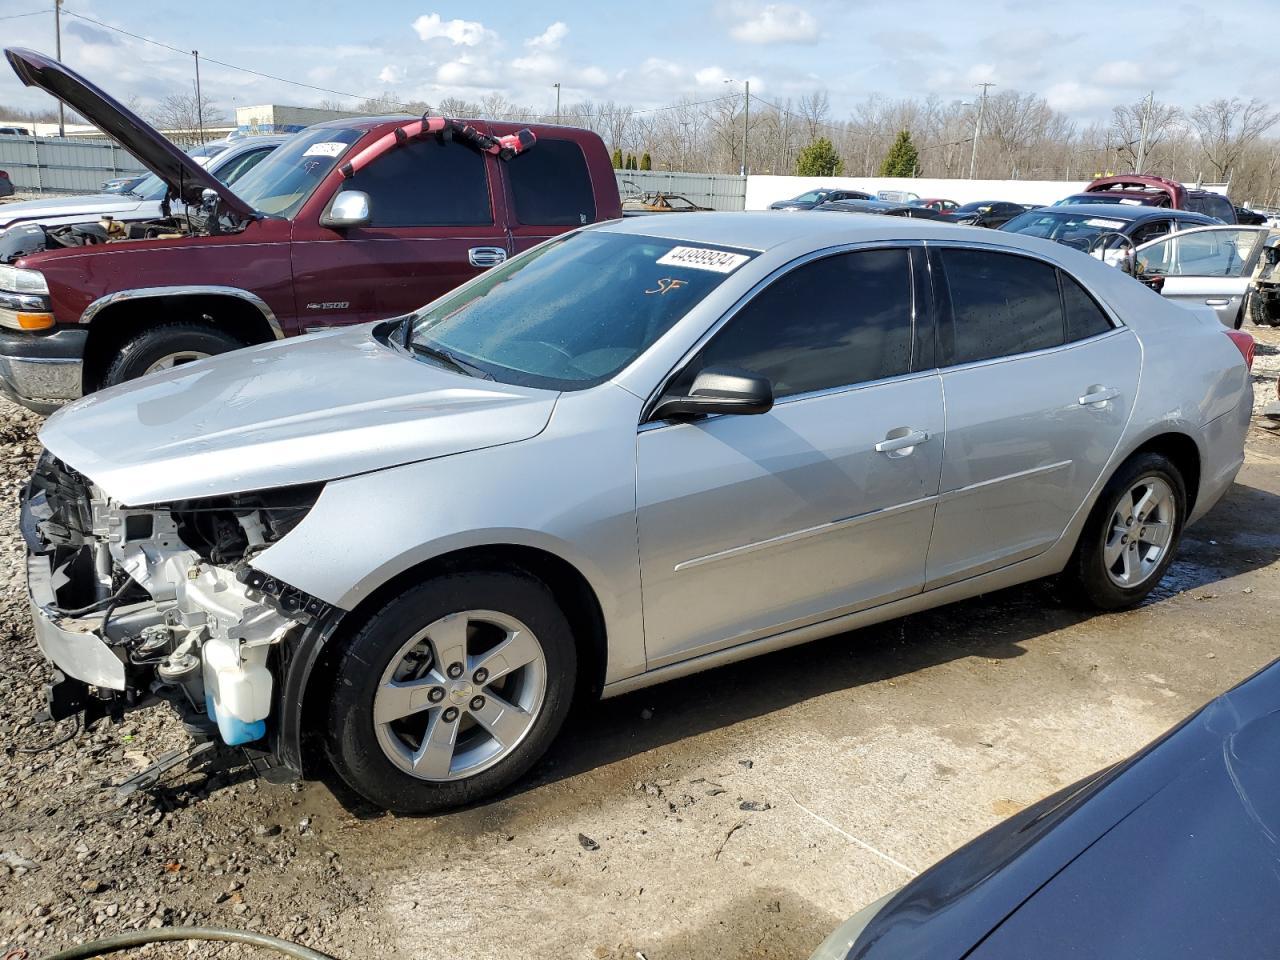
x: 435, y: 223
x: 1210, y: 266
x: 1038, y: 386
x: 749, y: 525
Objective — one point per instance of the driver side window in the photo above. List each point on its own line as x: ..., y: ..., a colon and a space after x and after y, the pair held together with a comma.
x: 838, y: 321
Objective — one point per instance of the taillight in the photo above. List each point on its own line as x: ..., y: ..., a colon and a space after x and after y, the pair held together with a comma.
x: 1245, y: 344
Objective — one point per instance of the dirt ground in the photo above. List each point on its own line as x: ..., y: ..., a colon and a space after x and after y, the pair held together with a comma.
x: 742, y: 813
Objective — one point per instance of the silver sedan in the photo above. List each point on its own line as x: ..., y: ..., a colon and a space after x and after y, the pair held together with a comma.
x: 635, y: 452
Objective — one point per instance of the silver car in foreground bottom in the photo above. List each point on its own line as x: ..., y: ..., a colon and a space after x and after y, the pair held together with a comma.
x: 637, y: 451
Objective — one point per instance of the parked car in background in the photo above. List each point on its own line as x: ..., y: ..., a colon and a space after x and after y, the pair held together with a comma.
x: 1250, y: 218
x: 349, y: 221
x: 1205, y: 266
x: 228, y: 160
x: 937, y: 203
x: 14, y: 132
x: 661, y: 203
x: 812, y: 198
x: 658, y: 397
x: 897, y: 196
x: 6, y: 185
x: 881, y: 207
x: 1105, y: 228
x: 1169, y: 854
x: 122, y: 184
x: 1145, y: 190
x: 984, y: 213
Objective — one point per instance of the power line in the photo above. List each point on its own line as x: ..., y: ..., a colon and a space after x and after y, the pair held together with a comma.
x: 33, y: 13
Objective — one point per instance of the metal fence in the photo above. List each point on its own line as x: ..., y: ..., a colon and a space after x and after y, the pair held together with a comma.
x: 719, y: 191
x: 63, y: 165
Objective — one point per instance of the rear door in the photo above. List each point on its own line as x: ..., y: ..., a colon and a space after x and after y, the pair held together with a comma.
x: 1212, y: 266
x: 1038, y: 384
x: 437, y: 215
x: 549, y: 190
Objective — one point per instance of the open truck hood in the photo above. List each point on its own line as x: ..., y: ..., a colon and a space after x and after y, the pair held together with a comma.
x: 186, y: 178
x: 285, y: 413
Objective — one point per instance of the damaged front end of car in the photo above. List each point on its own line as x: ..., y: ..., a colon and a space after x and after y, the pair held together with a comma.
x: 136, y: 606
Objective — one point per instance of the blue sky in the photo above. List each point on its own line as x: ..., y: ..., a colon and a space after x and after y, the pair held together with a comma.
x: 649, y: 53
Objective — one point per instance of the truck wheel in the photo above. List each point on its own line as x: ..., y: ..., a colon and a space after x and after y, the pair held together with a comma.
x: 1131, y: 536
x: 165, y: 347
x: 451, y: 691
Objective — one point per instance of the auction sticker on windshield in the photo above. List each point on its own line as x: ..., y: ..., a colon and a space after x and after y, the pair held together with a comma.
x: 703, y: 258
x: 1104, y: 224
x: 329, y: 148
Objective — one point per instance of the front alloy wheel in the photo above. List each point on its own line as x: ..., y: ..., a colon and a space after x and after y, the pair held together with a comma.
x: 451, y: 690
x: 460, y: 695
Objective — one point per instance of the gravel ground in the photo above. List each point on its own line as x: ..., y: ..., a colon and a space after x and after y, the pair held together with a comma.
x: 742, y: 813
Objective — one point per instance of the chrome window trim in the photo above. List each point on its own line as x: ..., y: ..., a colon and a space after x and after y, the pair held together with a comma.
x: 147, y: 293
x: 656, y: 394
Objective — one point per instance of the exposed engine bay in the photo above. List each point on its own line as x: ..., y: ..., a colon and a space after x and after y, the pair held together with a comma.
x: 24, y: 239
x: 161, y: 603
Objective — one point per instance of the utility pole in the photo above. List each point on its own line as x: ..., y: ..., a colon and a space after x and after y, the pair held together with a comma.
x: 199, y: 98
x: 977, y: 127
x: 557, y: 86
x: 746, y: 119
x: 57, y: 33
x: 1148, y: 105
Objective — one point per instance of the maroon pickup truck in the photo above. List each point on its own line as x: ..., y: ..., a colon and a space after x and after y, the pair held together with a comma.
x: 346, y: 222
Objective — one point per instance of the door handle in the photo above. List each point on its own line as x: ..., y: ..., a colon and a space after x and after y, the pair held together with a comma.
x: 485, y: 257
x: 1218, y: 301
x: 910, y: 438
x: 1099, y: 395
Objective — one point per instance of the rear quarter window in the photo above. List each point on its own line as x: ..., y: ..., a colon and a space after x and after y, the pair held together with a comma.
x: 551, y: 185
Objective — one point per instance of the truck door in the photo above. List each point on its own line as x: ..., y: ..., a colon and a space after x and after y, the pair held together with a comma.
x: 436, y: 220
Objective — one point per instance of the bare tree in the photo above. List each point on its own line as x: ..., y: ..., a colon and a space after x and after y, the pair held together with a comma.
x: 1226, y: 128
x: 1162, y: 120
x: 180, y: 116
x: 814, y: 109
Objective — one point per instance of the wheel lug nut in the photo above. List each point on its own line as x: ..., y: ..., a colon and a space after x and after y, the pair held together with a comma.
x: 455, y: 670
x: 481, y: 675
x: 477, y: 703
x: 451, y: 715
x: 436, y: 694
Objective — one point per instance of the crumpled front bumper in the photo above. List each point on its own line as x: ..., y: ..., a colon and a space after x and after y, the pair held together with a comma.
x: 71, y: 644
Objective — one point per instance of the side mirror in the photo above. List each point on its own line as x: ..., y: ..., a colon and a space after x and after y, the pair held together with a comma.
x: 718, y: 390
x: 350, y: 208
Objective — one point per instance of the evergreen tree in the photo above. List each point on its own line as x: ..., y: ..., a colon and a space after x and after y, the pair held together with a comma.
x: 819, y: 159
x: 902, y: 158
x: 617, y: 159
x: 646, y: 161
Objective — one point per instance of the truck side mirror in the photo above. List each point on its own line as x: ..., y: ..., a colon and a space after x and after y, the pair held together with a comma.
x: 209, y: 201
x: 350, y: 208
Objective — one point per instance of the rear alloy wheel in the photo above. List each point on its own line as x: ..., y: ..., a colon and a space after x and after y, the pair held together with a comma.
x: 167, y: 346
x: 1131, y: 536
x: 451, y: 691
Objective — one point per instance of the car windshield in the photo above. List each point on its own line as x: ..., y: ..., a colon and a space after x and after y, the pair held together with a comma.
x: 978, y: 206
x: 810, y: 197
x: 1074, y: 229
x: 280, y: 184
x: 573, y: 312
x: 152, y: 187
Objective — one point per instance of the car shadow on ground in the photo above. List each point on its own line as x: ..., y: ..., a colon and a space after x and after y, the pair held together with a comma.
x: 1241, y: 534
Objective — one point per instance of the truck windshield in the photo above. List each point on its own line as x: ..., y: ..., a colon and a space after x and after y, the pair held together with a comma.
x: 573, y: 312
x: 280, y: 184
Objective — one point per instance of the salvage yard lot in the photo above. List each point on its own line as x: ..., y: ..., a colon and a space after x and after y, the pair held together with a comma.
x: 739, y: 813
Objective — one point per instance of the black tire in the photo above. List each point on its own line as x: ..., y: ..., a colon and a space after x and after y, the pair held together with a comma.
x: 136, y: 356
x: 351, y: 740
x: 1086, y: 578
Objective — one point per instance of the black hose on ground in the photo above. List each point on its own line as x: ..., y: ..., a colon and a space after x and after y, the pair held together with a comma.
x: 140, y: 938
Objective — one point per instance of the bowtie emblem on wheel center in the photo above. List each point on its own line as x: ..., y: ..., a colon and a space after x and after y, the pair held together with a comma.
x: 460, y: 691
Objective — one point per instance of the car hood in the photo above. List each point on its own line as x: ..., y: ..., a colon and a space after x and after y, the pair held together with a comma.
x: 90, y: 205
x: 186, y: 178
x: 301, y: 411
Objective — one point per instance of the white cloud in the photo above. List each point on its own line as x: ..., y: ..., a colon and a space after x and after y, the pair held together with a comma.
x: 461, y: 33
x: 709, y: 75
x: 1073, y: 97
x: 466, y: 71
x: 390, y: 74
x: 548, y: 39
x: 773, y: 23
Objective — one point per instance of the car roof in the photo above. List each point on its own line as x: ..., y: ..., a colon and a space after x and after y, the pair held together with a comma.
x: 1125, y: 211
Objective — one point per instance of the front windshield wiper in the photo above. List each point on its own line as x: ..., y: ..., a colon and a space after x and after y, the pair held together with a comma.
x: 444, y: 357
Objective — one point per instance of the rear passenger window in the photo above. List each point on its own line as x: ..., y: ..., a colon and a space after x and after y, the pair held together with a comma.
x: 1001, y: 304
x: 427, y: 183
x: 1084, y: 317
x: 837, y: 321
x: 551, y: 185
